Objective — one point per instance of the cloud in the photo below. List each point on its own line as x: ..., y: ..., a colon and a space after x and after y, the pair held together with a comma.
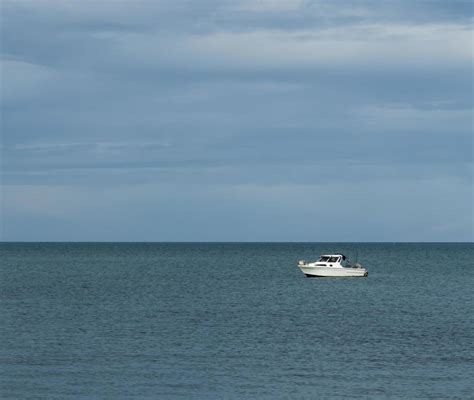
x: 264, y: 104
x: 359, y: 45
x: 428, y: 120
x: 269, y: 34
x: 394, y: 45
x: 385, y: 211
x: 93, y: 147
x: 21, y: 80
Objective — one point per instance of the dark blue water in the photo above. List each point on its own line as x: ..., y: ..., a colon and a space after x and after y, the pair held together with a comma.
x: 213, y: 321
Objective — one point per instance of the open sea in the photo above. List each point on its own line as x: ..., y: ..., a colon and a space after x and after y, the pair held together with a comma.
x: 234, y: 321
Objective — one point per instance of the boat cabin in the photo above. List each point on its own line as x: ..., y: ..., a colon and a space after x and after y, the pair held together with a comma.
x: 330, y: 259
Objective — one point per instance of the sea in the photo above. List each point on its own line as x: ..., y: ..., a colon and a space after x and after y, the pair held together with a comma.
x: 235, y: 321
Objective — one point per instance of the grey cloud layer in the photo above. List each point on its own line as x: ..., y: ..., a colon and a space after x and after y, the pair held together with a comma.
x: 236, y: 93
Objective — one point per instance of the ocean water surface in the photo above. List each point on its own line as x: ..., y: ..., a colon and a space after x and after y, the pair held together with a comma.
x: 217, y: 320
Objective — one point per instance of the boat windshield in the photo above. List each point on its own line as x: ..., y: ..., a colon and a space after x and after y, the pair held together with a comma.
x: 329, y: 259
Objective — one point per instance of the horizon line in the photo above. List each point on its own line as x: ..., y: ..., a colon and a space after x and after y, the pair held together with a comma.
x: 228, y: 242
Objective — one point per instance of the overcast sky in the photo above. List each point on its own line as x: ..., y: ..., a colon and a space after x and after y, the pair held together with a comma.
x: 237, y: 120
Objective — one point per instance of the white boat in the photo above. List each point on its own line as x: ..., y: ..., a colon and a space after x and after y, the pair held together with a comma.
x: 332, y: 265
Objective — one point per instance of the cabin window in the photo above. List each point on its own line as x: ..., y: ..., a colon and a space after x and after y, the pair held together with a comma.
x: 324, y: 259
x: 333, y: 259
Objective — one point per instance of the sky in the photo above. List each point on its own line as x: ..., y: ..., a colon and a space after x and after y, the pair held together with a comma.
x: 237, y: 120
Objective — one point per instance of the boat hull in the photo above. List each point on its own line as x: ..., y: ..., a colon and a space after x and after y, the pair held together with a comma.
x: 321, y: 272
